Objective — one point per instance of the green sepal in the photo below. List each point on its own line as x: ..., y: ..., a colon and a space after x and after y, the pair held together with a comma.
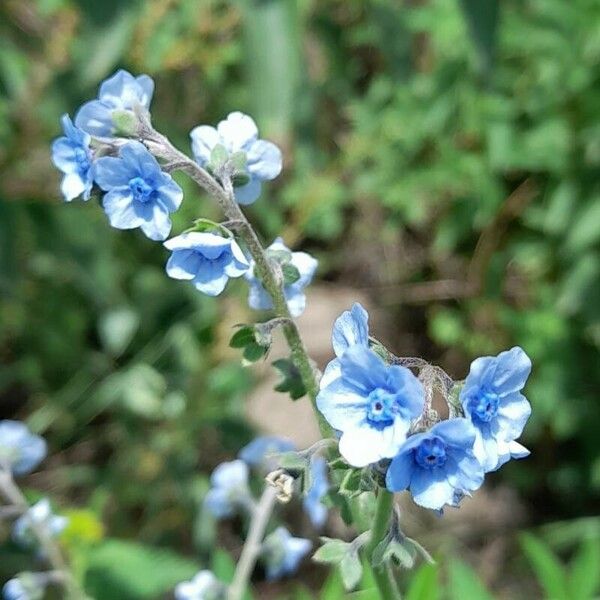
x: 290, y: 273
x: 291, y: 381
x: 218, y: 157
x: 355, y: 482
x: 283, y: 257
x: 207, y: 226
x: 125, y: 122
x: 345, y: 556
x: 394, y: 552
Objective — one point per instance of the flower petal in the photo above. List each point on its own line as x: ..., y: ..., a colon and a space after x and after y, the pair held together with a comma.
x: 264, y: 160
x: 120, y: 209
x: 183, y: 264
x: 238, y: 131
x: 350, y: 328
x: 204, y: 139
x: 247, y: 194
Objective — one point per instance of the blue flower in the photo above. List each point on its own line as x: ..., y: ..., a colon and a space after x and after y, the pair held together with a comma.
x: 26, y: 586
x: 259, y: 299
x: 313, y: 506
x: 283, y: 553
x: 371, y: 404
x: 122, y: 91
x: 20, y: 450
x: 206, y: 259
x: 437, y: 466
x: 204, y: 586
x: 72, y: 155
x: 351, y: 328
x: 262, y: 451
x: 238, y: 133
x: 39, y: 514
x: 492, y: 399
x: 138, y: 194
x: 229, y: 491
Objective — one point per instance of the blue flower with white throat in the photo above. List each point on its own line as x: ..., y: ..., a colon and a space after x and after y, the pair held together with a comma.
x: 20, y: 450
x: 371, y: 404
x: 229, y: 489
x: 303, y: 267
x: 203, y: 586
x: 72, y: 155
x: 283, y: 553
x: 491, y: 397
x: 238, y: 135
x: 120, y: 92
x: 138, y: 192
x: 437, y: 466
x: 205, y: 259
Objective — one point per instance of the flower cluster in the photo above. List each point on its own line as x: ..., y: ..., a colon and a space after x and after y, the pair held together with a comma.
x: 380, y: 412
x: 20, y: 450
x: 138, y: 192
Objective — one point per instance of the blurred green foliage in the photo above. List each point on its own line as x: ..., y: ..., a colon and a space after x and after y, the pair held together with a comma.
x: 464, y: 133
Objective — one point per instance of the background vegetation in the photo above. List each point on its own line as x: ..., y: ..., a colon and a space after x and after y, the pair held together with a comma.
x: 442, y: 157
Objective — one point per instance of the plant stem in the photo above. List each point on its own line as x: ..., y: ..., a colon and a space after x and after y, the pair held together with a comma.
x: 268, y: 273
x: 253, y: 544
x: 381, y: 522
x: 53, y: 554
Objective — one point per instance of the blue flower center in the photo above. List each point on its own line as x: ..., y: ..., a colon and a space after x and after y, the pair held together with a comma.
x: 431, y: 453
x: 82, y: 160
x: 382, y: 407
x: 485, y: 406
x: 140, y: 189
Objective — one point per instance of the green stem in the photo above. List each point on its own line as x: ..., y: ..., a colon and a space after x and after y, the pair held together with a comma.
x: 381, y: 523
x: 269, y: 274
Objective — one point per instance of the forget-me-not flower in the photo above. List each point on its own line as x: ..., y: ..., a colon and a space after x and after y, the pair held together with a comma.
x: 351, y: 328
x: 313, y: 505
x: 229, y: 491
x: 372, y: 404
x: 39, y: 514
x: 492, y: 399
x: 138, y: 193
x: 204, y: 586
x: 263, y: 450
x: 282, y: 553
x: 438, y: 465
x: 238, y: 133
x: 259, y: 299
x: 20, y: 450
x: 206, y: 259
x: 121, y: 91
x: 71, y: 154
x: 26, y: 586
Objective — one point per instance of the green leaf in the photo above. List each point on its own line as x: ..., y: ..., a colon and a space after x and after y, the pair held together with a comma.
x: 332, y: 551
x: 464, y: 583
x: 424, y: 584
x: 350, y: 569
x: 482, y: 19
x: 223, y: 566
x: 291, y: 379
x: 242, y: 337
x: 550, y: 572
x: 584, y: 579
x: 253, y: 352
x: 290, y: 273
x: 292, y: 461
x: 395, y: 552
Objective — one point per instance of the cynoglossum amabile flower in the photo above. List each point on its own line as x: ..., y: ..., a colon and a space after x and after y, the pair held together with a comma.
x: 41, y: 515
x: 491, y: 397
x: 282, y: 553
x: 203, y: 586
x: 71, y: 154
x: 372, y: 404
x: 229, y: 491
x: 205, y: 259
x: 351, y: 328
x: 121, y: 91
x: 20, y: 450
x: 263, y: 450
x: 138, y: 193
x: 438, y: 465
x: 238, y: 133
x: 259, y: 299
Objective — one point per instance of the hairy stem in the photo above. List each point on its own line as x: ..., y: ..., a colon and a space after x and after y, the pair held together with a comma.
x: 253, y: 544
x: 50, y: 549
x: 268, y: 273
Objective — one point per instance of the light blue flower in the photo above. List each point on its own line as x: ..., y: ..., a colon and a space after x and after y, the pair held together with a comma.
x: 26, y: 586
x: 259, y: 299
x: 492, y: 399
x: 72, y: 155
x: 313, y: 505
x: 206, y: 259
x: 351, y: 328
x: 122, y: 91
x: 372, y: 404
x: 283, y: 553
x: 263, y: 450
x: 41, y: 515
x: 229, y: 491
x: 20, y: 450
x: 238, y: 133
x: 138, y: 194
x: 204, y: 586
x: 437, y: 466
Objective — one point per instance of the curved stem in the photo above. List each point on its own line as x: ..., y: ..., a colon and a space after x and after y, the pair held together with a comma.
x: 53, y: 554
x: 161, y: 147
x: 253, y: 544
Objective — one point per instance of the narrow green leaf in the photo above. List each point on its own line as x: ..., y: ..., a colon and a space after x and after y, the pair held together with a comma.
x: 424, y: 584
x: 350, y: 570
x: 464, y: 583
x: 584, y: 580
x: 550, y: 572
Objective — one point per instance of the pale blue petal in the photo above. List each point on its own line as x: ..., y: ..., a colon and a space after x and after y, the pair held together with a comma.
x: 400, y: 471
x: 204, y: 139
x: 264, y: 160
x: 111, y: 172
x: 183, y: 264
x: 217, y: 502
x: 231, y: 474
x: 170, y: 193
x: 512, y: 368
x: 247, y: 194
x: 350, y: 328
x: 296, y: 300
x: 238, y: 131
x: 431, y: 489
x: 120, y: 209
x: 157, y: 226
x: 72, y: 186
x: 458, y: 433
x: 513, y: 414
x: 342, y: 406
x: 95, y: 118
x: 210, y: 280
